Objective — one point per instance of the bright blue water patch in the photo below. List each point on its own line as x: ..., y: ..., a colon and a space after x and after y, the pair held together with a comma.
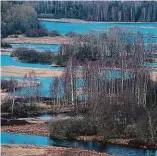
x: 65, y: 27
x: 151, y: 64
x: 9, y: 61
x: 39, y: 47
x: 24, y: 139
x: 45, y: 117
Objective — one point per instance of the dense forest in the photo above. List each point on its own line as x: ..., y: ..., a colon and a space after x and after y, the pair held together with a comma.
x: 114, y: 11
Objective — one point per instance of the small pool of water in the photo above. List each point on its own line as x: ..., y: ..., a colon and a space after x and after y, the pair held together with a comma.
x: 39, y: 47
x: 24, y: 139
x: 45, y: 117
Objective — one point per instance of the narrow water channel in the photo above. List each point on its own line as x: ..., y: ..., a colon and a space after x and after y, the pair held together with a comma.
x: 24, y: 139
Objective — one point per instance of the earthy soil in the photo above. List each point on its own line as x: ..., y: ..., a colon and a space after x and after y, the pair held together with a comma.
x: 31, y: 150
x: 40, y: 72
x: 21, y: 71
x: 36, y: 129
x: 38, y: 40
x: 63, y: 20
x: 81, y: 21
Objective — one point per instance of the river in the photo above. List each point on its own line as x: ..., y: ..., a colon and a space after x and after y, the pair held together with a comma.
x: 24, y: 139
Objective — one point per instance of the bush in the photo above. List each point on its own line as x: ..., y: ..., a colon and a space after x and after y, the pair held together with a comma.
x: 32, y: 56
x: 26, y: 55
x: 71, y: 128
x: 36, y: 32
x: 20, y: 109
x: 146, y: 131
x: 8, y: 85
x: 5, y: 45
x: 71, y: 34
x: 54, y: 33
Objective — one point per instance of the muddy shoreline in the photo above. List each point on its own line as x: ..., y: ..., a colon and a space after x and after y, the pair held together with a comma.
x: 25, y: 150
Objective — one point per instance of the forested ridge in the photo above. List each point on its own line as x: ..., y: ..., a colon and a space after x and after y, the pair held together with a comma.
x: 113, y: 11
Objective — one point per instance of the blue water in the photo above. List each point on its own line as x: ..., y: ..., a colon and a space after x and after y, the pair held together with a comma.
x: 24, y: 139
x: 45, y: 117
x: 151, y: 64
x: 45, y: 82
x: 9, y: 61
x: 44, y: 88
x: 65, y: 27
x: 39, y: 47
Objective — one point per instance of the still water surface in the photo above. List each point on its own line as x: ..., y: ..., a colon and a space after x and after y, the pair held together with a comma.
x: 16, y: 138
x: 65, y: 27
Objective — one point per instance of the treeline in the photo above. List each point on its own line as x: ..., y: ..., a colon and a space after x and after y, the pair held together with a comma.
x: 109, y: 47
x: 113, y: 11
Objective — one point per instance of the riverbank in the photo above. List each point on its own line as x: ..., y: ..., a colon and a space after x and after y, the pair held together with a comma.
x: 27, y: 150
x: 37, y: 40
x: 21, y: 71
x: 70, y: 20
x: 41, y: 129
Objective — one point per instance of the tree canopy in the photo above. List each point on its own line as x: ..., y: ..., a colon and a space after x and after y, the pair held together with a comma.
x: 17, y: 19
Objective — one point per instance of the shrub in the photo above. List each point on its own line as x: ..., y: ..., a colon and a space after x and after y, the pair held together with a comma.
x: 9, y: 85
x: 71, y: 128
x: 32, y: 56
x: 5, y: 45
x: 54, y: 33
x: 146, y: 131
x: 36, y: 32
x: 71, y: 34
x: 26, y: 55
x: 20, y: 109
